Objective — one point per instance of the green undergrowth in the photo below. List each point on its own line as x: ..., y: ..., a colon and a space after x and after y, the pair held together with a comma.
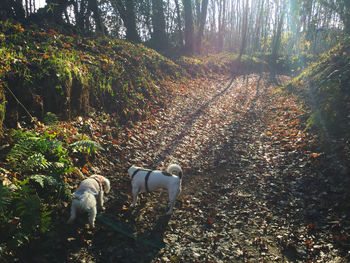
x: 36, y: 177
x: 325, y: 88
x: 70, y: 74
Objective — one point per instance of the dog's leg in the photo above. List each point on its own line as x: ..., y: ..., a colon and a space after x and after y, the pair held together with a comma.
x: 73, y: 213
x: 135, y: 191
x: 172, y: 197
x: 100, y: 200
x: 92, y: 217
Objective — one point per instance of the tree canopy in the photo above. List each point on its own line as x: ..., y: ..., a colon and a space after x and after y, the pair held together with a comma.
x: 194, y: 27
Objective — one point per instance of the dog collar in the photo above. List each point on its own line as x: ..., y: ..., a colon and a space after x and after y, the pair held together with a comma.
x: 134, y: 173
x: 146, y: 180
x: 98, y: 180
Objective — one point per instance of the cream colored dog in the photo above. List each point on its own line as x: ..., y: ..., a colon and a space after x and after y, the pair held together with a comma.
x: 84, y: 198
x: 143, y: 180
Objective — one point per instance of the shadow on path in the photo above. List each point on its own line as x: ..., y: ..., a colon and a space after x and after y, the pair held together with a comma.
x: 189, y: 123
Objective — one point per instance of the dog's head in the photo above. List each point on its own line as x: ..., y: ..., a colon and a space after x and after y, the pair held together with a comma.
x: 104, y: 182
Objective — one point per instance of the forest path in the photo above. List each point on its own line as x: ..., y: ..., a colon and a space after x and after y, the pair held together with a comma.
x: 251, y: 192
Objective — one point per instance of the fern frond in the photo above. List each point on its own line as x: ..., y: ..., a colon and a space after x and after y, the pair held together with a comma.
x: 5, y: 198
x: 56, y: 169
x: 35, y: 163
x: 28, y: 144
x: 29, y: 211
x: 18, y: 135
x: 85, y: 145
x: 48, y: 147
x: 38, y: 178
x: 22, y: 149
x: 50, y: 118
x: 44, y: 180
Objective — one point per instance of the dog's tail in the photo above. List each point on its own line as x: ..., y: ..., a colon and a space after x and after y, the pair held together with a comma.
x: 86, y: 200
x: 175, y: 169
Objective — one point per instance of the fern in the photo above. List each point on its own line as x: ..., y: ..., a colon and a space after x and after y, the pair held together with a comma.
x: 44, y: 180
x: 38, y: 178
x: 22, y: 149
x: 32, y: 213
x: 57, y: 168
x: 50, y: 118
x: 35, y: 163
x: 52, y: 189
x: 34, y: 152
x: 29, y: 210
x: 18, y: 135
x: 85, y: 146
x: 43, y: 162
x: 45, y: 220
x: 50, y: 148
x: 5, y: 199
x: 27, y: 144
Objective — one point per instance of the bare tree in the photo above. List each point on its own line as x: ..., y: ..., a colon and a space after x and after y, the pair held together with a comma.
x: 126, y: 9
x: 244, y: 30
x: 12, y: 9
x: 179, y: 23
x: 277, y: 38
x: 93, y: 7
x: 342, y: 7
x: 189, y: 28
x: 221, y: 25
x: 202, y: 19
x: 159, y: 37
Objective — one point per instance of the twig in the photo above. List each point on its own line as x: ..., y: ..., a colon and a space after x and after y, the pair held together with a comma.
x: 25, y: 109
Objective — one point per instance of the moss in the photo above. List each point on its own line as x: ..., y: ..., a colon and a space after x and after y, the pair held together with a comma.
x: 2, y: 110
x: 324, y: 88
x: 69, y: 70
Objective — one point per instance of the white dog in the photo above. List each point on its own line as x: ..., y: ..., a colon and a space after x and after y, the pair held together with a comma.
x: 143, y: 180
x: 84, y: 198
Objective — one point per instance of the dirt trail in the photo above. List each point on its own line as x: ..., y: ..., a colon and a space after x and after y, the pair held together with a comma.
x: 251, y: 192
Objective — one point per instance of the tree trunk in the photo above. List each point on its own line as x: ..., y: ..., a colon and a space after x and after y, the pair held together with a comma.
x: 79, y: 17
x: 276, y: 43
x: 189, y: 29
x: 222, y: 25
x: 159, y: 37
x: 258, y: 26
x: 179, y: 24
x: 126, y: 10
x: 56, y: 10
x: 12, y: 9
x: 342, y: 7
x: 346, y: 17
x: 93, y: 6
x: 244, y: 31
x: 277, y: 39
x: 202, y: 19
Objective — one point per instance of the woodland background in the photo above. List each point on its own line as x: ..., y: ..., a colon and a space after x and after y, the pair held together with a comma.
x: 64, y: 62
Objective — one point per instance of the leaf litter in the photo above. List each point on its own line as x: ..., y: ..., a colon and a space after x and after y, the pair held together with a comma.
x: 254, y: 187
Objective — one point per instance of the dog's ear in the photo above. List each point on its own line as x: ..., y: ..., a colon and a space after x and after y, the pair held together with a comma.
x: 106, y: 185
